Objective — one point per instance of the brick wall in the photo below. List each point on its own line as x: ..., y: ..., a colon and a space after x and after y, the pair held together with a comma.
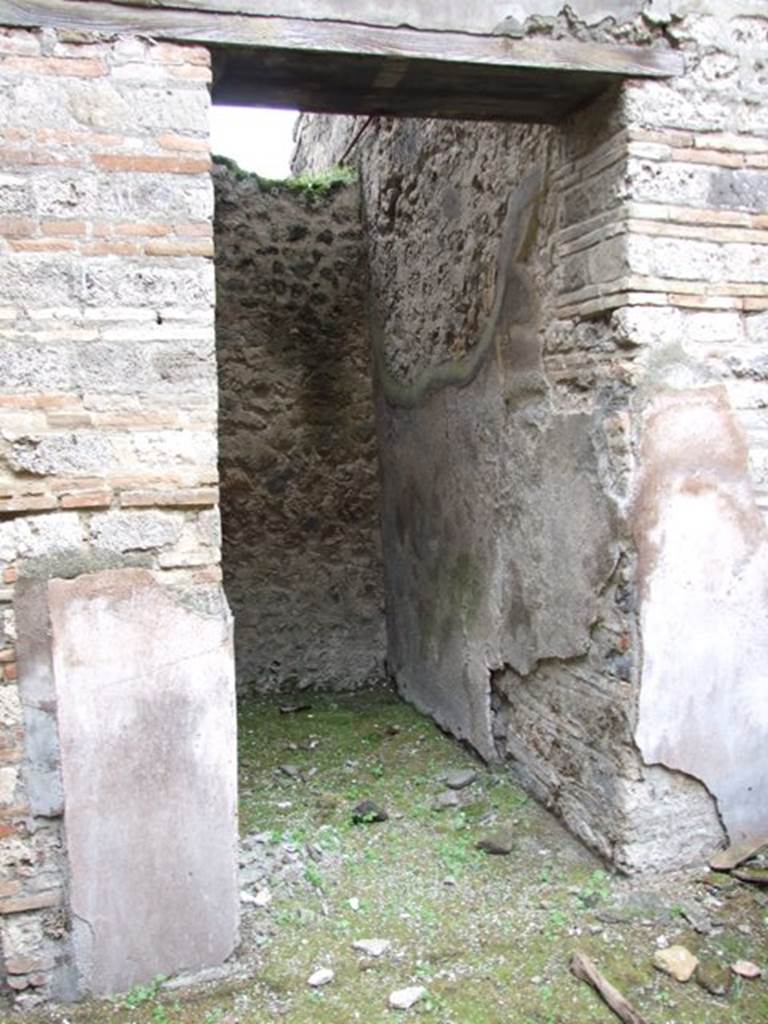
x: 108, y: 387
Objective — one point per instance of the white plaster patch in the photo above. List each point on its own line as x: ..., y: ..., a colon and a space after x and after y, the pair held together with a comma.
x: 703, y: 705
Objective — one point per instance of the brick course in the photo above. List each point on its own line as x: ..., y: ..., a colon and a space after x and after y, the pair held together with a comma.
x: 108, y: 393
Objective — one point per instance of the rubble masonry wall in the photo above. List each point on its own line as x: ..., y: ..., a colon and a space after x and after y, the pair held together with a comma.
x: 299, y: 472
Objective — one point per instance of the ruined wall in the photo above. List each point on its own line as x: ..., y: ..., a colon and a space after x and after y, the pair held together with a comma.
x: 567, y: 325
x: 108, y: 461
x: 696, y: 242
x: 301, y: 556
x: 505, y: 464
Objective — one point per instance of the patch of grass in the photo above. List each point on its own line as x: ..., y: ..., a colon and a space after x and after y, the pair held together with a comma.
x: 139, y: 995
x: 489, y: 937
x: 312, y: 184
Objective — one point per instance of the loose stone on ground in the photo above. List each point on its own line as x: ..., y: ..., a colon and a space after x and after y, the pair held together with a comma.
x: 746, y: 969
x: 458, y: 779
x: 676, y: 961
x: 497, y: 843
x: 405, y: 998
x: 371, y: 947
x: 322, y: 976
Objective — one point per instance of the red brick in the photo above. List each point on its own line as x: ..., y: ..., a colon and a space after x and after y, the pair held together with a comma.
x: 61, y: 67
x: 142, y: 229
x: 44, y: 245
x: 183, y: 143
x: 181, y: 248
x: 29, y: 503
x: 152, y: 164
x: 10, y: 574
x: 64, y: 227
x: 35, y: 901
x: 197, y: 496
x: 10, y: 672
x: 177, y: 53
x: 17, y: 227
x: 87, y: 499
x: 110, y: 249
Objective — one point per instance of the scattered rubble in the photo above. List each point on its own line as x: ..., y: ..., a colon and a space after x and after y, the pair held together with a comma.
x: 676, y: 961
x: 405, y: 998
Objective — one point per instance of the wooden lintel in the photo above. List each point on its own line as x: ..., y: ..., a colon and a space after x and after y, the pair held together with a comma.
x: 385, y: 61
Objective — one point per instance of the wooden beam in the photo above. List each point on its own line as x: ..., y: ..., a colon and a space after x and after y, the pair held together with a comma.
x: 345, y: 67
x: 202, y: 21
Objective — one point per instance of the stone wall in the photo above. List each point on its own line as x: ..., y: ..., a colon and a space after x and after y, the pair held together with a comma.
x: 566, y: 323
x: 107, y: 461
x: 301, y: 556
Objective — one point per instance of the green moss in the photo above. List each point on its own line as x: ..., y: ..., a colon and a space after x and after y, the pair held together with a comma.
x: 318, y: 185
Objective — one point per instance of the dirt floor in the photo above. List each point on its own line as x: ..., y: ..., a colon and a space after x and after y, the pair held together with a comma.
x: 488, y: 937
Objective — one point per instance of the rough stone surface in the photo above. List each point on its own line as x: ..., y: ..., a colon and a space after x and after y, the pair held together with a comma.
x: 676, y: 961
x: 405, y: 998
x: 302, y: 551
x: 509, y: 611
x: 107, y: 457
x: 565, y: 368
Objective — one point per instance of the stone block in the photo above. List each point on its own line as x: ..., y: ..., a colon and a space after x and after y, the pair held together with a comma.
x: 76, y: 454
x: 144, y: 691
x: 136, y: 530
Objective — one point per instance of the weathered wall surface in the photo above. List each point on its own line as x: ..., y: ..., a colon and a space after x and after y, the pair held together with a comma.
x: 505, y: 460
x: 698, y: 188
x: 301, y: 556
x: 146, y: 749
x: 107, y: 409
x: 591, y: 408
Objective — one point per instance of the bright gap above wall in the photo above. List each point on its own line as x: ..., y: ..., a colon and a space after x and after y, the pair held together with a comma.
x: 259, y: 139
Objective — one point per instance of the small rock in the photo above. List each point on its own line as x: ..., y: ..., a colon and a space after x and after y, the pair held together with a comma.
x: 322, y: 976
x: 371, y: 947
x: 676, y: 961
x: 367, y: 812
x: 499, y: 843
x: 445, y: 801
x: 697, y: 918
x: 405, y: 998
x: 262, y: 898
x: 290, y: 770
x: 727, y: 860
x: 459, y: 779
x: 713, y: 979
x: 354, y: 903
x: 746, y: 969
